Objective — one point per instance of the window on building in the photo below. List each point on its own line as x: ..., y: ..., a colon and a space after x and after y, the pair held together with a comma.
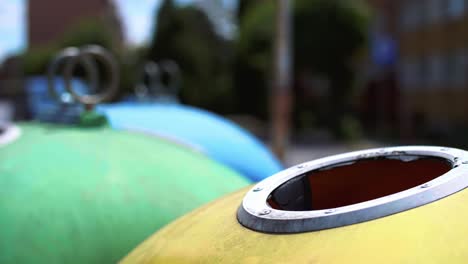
x: 456, y: 66
x: 410, y: 73
x: 422, y: 72
x: 404, y: 76
x: 436, y: 70
x: 411, y: 15
x: 455, y: 8
x: 434, y: 11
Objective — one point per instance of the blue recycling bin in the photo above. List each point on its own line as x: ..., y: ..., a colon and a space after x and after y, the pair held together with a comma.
x: 44, y: 107
x: 217, y: 137
x: 211, y: 134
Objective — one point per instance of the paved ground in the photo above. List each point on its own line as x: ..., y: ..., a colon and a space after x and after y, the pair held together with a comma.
x: 298, y: 153
x: 319, y: 142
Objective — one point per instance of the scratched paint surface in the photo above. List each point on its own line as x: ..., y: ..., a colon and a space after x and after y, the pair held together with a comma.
x: 74, y: 195
x: 434, y: 233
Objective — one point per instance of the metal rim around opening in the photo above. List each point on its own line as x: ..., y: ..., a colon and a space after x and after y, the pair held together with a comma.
x: 255, y: 213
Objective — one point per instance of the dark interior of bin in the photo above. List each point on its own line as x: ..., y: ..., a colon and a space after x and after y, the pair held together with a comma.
x: 359, y: 181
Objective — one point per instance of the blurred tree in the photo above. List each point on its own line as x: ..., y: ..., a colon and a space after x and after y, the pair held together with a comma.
x: 186, y: 35
x: 35, y: 60
x: 326, y: 36
x: 245, y: 5
x: 88, y: 31
x: 253, y: 56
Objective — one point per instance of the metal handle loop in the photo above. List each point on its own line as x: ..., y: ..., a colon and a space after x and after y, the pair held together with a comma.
x: 150, y: 70
x: 171, y: 68
x: 155, y: 86
x: 61, y: 58
x: 110, y: 66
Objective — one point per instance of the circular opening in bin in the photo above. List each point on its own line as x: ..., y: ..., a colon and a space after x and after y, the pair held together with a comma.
x: 8, y: 134
x: 353, y: 187
x: 355, y: 182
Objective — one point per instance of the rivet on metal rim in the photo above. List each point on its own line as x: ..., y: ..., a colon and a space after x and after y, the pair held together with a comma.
x: 426, y: 185
x: 265, y: 212
x: 254, y: 212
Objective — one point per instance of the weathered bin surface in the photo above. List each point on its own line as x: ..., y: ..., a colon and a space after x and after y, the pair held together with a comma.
x: 393, y: 205
x: 90, y: 195
x: 216, y: 136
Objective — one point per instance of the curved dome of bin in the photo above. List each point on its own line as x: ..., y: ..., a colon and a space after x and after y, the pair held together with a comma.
x: 219, y: 138
x: 393, y: 205
x: 90, y: 195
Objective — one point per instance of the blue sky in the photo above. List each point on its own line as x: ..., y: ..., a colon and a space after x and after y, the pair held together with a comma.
x: 12, y: 27
x: 137, y: 18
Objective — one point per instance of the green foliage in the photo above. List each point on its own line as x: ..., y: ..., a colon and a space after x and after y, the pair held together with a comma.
x: 88, y: 31
x: 351, y: 129
x: 35, y: 61
x: 186, y: 35
x: 129, y: 63
x: 253, y: 57
x: 337, y: 32
x: 327, y: 34
x: 255, y: 41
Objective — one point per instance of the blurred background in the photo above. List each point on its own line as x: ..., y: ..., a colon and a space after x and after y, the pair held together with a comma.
x: 310, y: 78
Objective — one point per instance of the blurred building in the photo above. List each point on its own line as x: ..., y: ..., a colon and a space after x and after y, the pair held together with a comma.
x: 431, y: 66
x: 11, y: 92
x: 381, y: 103
x: 433, y: 56
x: 48, y: 20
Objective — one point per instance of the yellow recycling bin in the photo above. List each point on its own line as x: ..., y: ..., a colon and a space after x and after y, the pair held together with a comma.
x: 391, y: 205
